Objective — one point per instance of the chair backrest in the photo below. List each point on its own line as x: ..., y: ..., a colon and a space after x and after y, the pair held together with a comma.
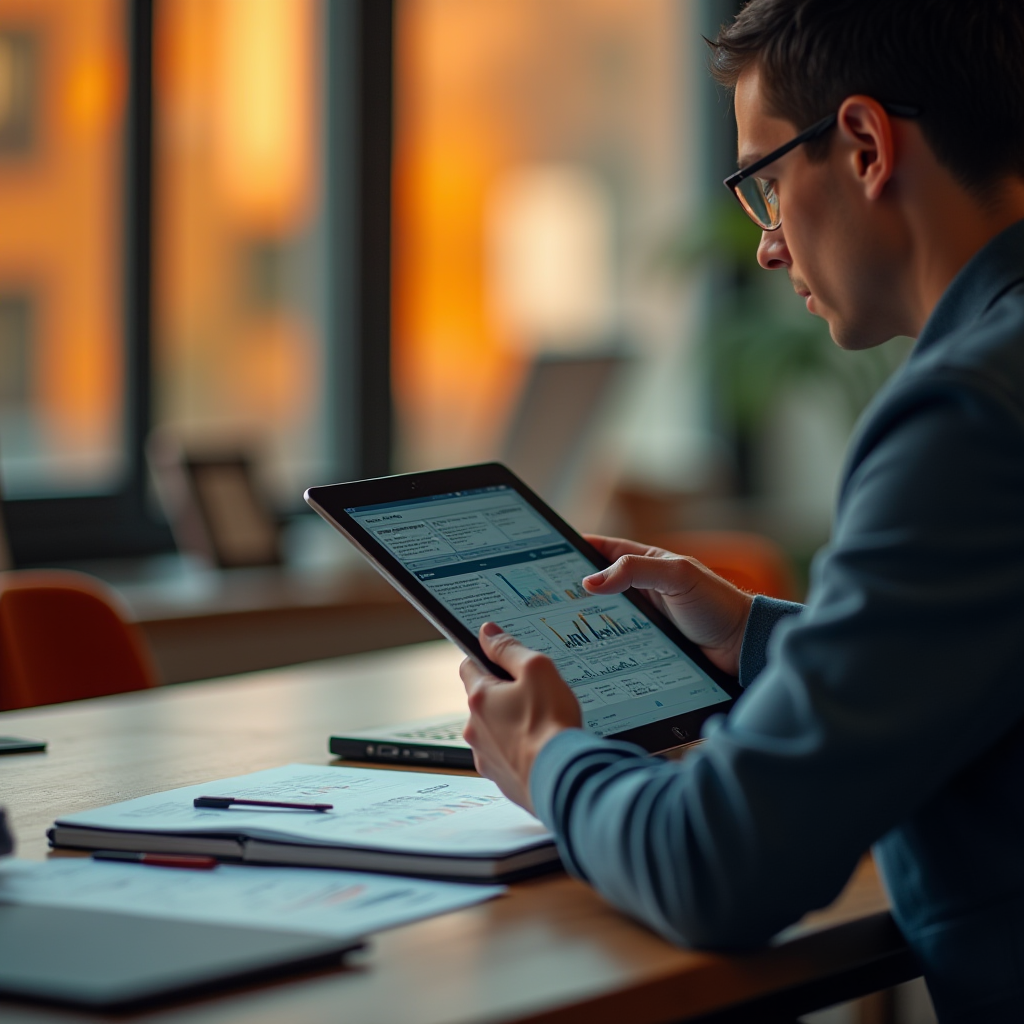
x: 752, y: 562
x: 62, y: 638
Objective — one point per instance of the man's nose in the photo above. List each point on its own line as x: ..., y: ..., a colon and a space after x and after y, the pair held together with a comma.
x: 772, y: 251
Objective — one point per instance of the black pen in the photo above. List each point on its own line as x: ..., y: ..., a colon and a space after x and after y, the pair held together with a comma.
x: 224, y: 802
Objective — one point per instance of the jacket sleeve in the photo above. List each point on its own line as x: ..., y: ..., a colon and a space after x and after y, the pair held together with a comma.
x: 765, y: 615
x: 903, y: 667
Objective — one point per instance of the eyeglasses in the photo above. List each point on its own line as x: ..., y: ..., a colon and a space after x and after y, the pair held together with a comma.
x: 757, y: 196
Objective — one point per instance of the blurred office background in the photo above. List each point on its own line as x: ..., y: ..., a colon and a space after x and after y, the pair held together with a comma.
x: 341, y: 235
x: 349, y: 238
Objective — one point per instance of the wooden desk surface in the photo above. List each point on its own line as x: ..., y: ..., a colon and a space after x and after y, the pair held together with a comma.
x: 551, y: 950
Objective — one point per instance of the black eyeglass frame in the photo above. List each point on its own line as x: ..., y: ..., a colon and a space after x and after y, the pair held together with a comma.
x: 815, y: 131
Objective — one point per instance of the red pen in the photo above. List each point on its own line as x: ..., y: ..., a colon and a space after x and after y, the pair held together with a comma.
x: 159, y: 860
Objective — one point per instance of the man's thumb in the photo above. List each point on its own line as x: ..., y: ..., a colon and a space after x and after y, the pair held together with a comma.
x: 502, y: 648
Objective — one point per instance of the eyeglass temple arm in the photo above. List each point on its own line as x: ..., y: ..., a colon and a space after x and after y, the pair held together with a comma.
x: 815, y: 130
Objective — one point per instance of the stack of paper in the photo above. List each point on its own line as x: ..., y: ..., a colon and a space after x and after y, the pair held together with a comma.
x: 344, y: 904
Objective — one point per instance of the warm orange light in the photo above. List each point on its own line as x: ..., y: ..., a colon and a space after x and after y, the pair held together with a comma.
x: 265, y: 112
x: 454, y: 373
x: 95, y: 92
x: 61, y: 230
x: 485, y: 91
x: 236, y: 151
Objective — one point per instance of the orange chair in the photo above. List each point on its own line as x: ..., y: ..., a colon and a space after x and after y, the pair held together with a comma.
x: 750, y: 561
x: 62, y: 638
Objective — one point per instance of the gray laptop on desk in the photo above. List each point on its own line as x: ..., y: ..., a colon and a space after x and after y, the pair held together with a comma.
x: 428, y: 741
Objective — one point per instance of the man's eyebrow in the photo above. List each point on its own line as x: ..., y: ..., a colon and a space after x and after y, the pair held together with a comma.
x: 746, y: 159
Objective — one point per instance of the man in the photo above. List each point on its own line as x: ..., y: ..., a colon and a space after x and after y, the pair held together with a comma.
x: 889, y: 710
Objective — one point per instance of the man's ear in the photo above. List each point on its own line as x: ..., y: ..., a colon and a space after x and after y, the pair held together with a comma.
x: 866, y: 131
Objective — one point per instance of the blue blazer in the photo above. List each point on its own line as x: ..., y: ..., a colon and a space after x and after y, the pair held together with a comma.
x: 888, y: 710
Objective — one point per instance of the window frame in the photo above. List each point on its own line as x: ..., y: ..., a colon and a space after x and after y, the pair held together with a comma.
x: 126, y: 523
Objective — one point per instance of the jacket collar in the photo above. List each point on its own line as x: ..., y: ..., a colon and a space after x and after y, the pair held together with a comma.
x: 979, y: 284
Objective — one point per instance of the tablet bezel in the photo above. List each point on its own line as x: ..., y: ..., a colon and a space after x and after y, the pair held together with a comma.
x: 331, y: 500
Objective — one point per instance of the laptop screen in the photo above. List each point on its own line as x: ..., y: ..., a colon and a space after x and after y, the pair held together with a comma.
x: 485, y: 554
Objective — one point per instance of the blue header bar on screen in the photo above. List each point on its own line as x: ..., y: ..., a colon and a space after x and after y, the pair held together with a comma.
x: 499, y: 562
x: 404, y: 502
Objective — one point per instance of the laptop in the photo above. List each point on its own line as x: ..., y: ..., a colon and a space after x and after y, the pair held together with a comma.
x: 550, y: 435
x: 427, y: 741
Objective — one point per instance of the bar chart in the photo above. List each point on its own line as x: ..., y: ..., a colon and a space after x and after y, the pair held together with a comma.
x: 559, y: 582
x: 530, y: 590
x: 594, y: 627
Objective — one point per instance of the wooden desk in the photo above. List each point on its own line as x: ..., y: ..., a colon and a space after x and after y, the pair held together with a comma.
x: 550, y: 951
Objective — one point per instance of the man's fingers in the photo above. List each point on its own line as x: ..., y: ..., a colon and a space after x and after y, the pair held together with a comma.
x: 505, y: 650
x: 471, y: 673
x: 475, y: 732
x: 674, y: 575
x: 616, y: 547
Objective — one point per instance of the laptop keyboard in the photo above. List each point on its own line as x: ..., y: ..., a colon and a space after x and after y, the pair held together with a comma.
x: 442, y: 732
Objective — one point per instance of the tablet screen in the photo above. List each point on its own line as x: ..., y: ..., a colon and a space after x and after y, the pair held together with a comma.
x: 485, y: 554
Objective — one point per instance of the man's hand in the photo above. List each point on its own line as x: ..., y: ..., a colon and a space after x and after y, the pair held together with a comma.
x: 707, y: 609
x: 510, y: 722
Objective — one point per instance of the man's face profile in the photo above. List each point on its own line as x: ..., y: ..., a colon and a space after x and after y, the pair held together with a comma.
x: 825, y: 242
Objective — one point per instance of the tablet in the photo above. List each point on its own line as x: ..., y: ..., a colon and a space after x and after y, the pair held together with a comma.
x: 473, y: 544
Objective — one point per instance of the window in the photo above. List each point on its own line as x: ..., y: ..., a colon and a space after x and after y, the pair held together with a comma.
x: 195, y: 200
x: 239, y: 239
x: 543, y: 160
x: 62, y: 121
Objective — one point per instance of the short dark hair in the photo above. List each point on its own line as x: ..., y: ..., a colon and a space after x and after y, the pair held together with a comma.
x: 960, y: 61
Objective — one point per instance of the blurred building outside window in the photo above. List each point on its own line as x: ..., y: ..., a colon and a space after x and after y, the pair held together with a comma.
x: 185, y: 216
x: 62, y: 103
x: 239, y: 237
x: 542, y: 151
